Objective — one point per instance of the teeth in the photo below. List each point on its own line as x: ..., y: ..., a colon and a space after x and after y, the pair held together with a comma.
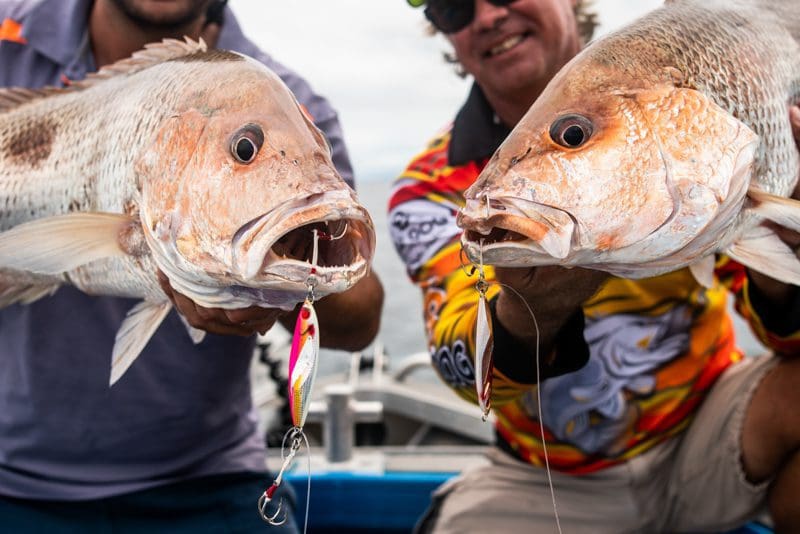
x: 508, y: 44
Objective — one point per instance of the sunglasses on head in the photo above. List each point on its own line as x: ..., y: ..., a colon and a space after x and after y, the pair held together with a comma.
x: 451, y: 16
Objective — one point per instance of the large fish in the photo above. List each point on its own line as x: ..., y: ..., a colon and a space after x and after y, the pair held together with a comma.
x: 654, y: 148
x: 198, y: 163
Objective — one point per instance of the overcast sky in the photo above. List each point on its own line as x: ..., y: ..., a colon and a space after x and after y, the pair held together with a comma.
x: 373, y: 60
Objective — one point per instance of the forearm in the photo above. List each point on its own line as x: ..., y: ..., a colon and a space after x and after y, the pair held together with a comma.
x: 555, y: 296
x: 559, y: 348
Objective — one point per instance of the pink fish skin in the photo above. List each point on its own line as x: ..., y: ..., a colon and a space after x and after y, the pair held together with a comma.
x: 655, y: 148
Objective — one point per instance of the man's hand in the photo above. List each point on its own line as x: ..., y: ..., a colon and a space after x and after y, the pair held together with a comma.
x: 242, y: 322
x: 777, y: 292
x: 553, y: 293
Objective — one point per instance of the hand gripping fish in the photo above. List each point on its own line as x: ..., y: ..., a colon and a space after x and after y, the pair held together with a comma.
x: 196, y: 162
x: 655, y: 148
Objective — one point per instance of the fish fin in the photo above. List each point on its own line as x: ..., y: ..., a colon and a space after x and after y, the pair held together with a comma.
x: 57, y: 244
x: 196, y: 334
x: 136, y: 330
x: 703, y: 271
x: 25, y: 294
x: 781, y: 210
x: 151, y: 54
x: 762, y: 250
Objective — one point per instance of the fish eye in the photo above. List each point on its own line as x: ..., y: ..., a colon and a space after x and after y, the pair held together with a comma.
x: 571, y: 131
x: 246, y: 143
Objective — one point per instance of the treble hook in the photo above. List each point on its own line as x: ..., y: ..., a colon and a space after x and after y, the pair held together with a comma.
x: 294, y: 433
x: 264, y: 501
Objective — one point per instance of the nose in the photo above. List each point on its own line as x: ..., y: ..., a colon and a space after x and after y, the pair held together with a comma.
x: 488, y: 15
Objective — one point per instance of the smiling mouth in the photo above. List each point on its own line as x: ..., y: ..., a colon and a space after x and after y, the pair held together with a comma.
x: 507, y: 44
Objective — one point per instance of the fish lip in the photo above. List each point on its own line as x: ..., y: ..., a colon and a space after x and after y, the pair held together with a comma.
x: 512, y: 231
x: 254, y: 262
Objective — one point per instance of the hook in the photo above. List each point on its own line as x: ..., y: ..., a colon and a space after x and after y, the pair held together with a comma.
x: 328, y: 237
x: 295, y: 435
x: 264, y: 501
x: 461, y: 255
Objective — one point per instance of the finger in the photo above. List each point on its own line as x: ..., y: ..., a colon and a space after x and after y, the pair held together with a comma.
x: 794, y: 118
x: 163, y: 281
x: 253, y: 314
x: 226, y: 329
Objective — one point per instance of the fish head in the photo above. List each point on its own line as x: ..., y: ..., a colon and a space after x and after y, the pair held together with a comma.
x: 235, y: 187
x: 608, y: 172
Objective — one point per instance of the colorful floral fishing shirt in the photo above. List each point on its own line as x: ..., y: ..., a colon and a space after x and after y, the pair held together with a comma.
x: 655, y: 346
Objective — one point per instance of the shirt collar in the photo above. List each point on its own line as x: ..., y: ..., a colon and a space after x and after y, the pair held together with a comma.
x: 477, y: 131
x: 57, y: 29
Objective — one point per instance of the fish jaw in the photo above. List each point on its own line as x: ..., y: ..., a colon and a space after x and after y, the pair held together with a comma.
x: 253, y: 270
x: 515, y: 232
x: 656, y: 187
x: 276, y: 250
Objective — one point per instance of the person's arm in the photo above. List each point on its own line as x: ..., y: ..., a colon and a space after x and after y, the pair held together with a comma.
x: 772, y: 308
x: 555, y: 295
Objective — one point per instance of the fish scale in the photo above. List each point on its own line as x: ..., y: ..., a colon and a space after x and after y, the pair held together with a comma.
x: 685, y: 148
x: 140, y: 169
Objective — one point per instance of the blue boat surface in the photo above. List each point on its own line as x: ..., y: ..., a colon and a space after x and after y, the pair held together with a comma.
x: 388, y: 503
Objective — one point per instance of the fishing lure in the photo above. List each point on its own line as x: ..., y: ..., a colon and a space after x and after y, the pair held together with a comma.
x: 303, y: 363
x: 484, y: 345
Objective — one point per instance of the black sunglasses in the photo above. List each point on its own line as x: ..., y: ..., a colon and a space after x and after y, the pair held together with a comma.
x: 451, y: 16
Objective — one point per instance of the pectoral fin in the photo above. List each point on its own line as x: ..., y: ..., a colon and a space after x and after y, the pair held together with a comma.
x: 195, y: 334
x: 134, y: 333
x: 762, y: 250
x: 25, y: 294
x: 703, y: 271
x: 57, y: 244
x: 781, y: 210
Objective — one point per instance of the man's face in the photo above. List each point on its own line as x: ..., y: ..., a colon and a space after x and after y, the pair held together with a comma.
x: 513, y: 51
x: 163, y: 14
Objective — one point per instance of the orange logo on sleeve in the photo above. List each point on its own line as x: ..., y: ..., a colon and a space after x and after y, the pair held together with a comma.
x: 11, y: 30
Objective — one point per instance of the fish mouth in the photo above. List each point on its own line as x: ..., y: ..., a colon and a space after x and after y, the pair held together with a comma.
x: 279, y: 249
x: 513, y: 232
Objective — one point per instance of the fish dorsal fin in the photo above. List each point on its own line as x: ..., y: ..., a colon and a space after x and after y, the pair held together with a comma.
x: 151, y: 54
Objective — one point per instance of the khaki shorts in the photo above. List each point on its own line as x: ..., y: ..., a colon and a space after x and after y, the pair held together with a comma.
x: 694, y: 482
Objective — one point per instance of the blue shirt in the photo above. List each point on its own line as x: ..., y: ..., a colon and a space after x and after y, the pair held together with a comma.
x: 181, y: 410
